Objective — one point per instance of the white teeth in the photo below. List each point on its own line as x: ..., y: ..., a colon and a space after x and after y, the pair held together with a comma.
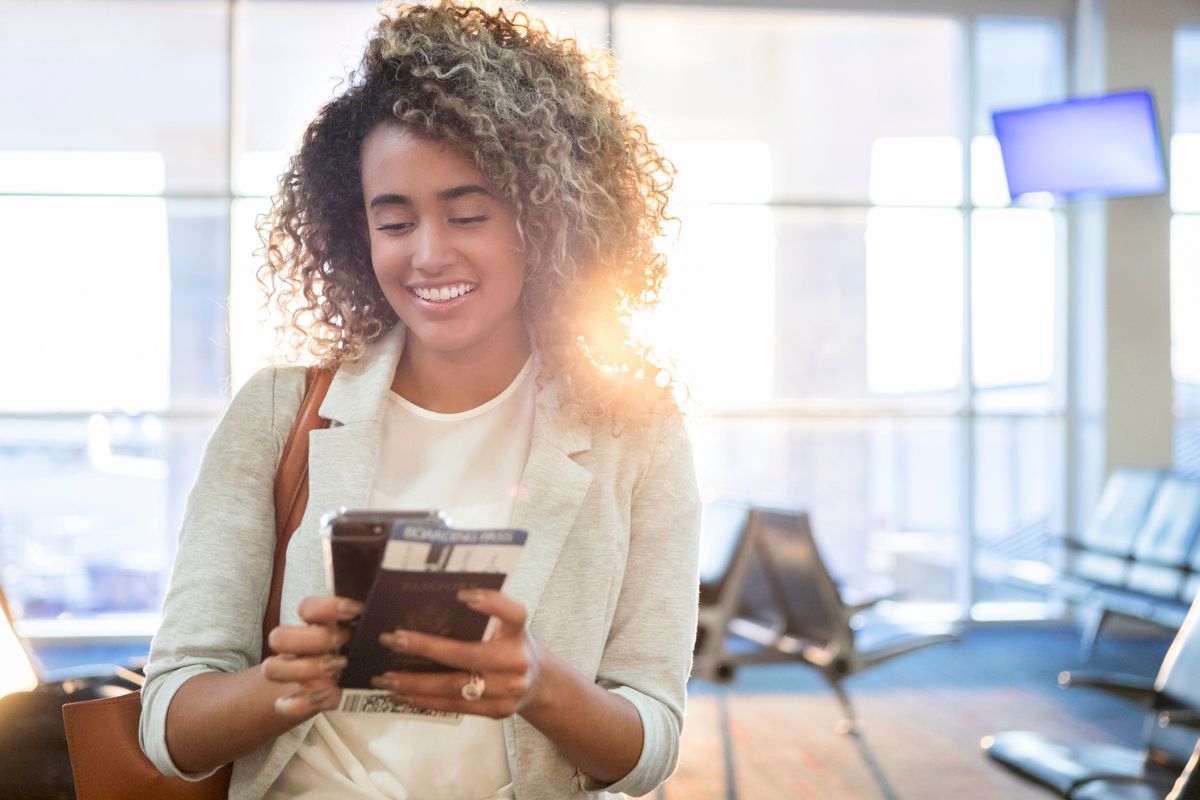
x: 444, y: 292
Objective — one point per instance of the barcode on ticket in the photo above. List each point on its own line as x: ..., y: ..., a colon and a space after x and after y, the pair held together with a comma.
x: 365, y: 701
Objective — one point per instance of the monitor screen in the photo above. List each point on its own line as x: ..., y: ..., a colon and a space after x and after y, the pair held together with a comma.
x: 1105, y: 146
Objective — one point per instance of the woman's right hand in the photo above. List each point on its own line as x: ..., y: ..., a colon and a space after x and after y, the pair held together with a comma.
x: 306, y: 656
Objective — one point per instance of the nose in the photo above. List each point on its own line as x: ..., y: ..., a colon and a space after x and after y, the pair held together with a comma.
x: 434, y: 250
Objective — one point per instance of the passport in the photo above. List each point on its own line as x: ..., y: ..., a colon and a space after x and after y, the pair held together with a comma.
x: 425, y: 563
x: 426, y: 602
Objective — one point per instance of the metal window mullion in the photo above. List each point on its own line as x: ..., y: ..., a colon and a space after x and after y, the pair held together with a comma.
x: 1058, y: 9
x: 878, y: 413
x: 166, y: 195
x: 840, y: 204
x: 235, y: 138
x: 178, y: 415
x: 1079, y: 36
x: 965, y: 584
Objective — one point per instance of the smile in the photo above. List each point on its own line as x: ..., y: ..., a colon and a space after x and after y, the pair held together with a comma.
x: 440, y: 294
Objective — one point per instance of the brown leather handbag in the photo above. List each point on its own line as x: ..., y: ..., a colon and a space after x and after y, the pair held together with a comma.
x: 107, y: 761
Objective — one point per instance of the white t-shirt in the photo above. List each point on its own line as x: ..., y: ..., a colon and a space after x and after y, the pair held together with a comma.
x: 469, y: 465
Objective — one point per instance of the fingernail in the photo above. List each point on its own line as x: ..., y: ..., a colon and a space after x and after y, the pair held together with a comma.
x: 332, y: 664
x: 397, y: 641
x: 470, y: 595
x: 380, y: 682
x: 286, y: 705
x: 347, y: 608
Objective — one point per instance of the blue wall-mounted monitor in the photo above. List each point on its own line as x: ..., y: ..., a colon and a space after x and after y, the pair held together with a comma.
x: 1104, y: 146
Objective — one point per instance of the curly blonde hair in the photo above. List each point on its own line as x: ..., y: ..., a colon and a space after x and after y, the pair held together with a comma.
x: 543, y: 121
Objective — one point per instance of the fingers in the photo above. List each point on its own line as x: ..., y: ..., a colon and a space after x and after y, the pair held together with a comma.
x: 443, y: 692
x: 500, y: 654
x: 309, y: 700
x: 494, y: 656
x: 314, y: 682
x: 307, y: 640
x: 292, y: 669
x: 449, y: 684
x: 323, y: 610
x: 322, y: 633
x: 488, y: 601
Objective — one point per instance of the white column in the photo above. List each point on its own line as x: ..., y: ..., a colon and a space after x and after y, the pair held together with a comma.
x: 1139, y: 424
x: 1120, y: 350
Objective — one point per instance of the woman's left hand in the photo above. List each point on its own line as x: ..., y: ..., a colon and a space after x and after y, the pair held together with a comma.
x: 508, y: 664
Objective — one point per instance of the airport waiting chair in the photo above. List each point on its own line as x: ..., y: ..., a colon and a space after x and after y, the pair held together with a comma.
x: 1173, y: 696
x: 1154, y: 587
x: 776, y: 602
x: 1101, y: 554
x: 1185, y: 787
x: 724, y: 560
x: 34, y: 762
x: 1191, y: 584
x: 766, y: 596
x: 102, y: 680
x: 1101, y: 551
x: 1162, y: 548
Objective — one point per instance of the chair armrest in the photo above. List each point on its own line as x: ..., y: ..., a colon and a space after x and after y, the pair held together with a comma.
x: 1074, y: 545
x: 1179, y: 716
x: 1131, y: 687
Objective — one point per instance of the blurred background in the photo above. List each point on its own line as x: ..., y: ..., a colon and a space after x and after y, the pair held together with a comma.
x: 870, y: 329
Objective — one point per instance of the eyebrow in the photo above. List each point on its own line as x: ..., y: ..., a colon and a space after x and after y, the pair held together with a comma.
x: 452, y: 193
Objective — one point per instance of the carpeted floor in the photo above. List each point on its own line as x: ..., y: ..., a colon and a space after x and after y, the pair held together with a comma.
x: 921, y: 718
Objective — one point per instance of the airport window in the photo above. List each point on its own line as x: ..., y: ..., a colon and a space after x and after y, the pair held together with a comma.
x: 1185, y: 243
x: 842, y: 303
x: 886, y: 327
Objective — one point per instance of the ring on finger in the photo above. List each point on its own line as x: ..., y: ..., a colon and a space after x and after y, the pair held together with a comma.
x: 473, y: 689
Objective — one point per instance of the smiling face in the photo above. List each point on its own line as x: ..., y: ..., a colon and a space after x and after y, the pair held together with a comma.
x: 444, y: 246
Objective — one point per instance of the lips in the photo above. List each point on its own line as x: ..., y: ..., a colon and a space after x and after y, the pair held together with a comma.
x: 429, y: 298
x: 444, y: 292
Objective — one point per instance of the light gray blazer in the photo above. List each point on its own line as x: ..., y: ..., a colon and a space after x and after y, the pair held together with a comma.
x: 608, y: 577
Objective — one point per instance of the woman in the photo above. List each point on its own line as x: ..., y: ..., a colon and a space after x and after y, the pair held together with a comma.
x: 463, y: 234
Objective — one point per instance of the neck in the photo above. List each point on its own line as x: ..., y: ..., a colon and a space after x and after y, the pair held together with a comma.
x: 448, y: 383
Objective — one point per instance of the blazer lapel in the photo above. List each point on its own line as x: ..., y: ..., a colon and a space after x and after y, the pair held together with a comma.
x: 553, y: 488
x: 342, y: 458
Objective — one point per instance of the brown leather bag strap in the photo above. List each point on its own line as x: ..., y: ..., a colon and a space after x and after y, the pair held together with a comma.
x: 291, y: 486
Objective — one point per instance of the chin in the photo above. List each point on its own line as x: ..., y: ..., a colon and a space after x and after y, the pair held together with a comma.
x: 440, y: 342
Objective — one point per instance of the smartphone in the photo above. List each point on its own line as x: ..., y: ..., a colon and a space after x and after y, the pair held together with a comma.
x: 354, y: 542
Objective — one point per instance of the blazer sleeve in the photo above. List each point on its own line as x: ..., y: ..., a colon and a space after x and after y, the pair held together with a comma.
x: 648, y: 655
x: 213, y: 610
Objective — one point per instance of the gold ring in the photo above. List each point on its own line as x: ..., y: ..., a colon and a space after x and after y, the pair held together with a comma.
x: 473, y: 689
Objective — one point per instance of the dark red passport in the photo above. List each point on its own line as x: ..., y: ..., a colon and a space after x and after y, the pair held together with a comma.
x: 417, y: 601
